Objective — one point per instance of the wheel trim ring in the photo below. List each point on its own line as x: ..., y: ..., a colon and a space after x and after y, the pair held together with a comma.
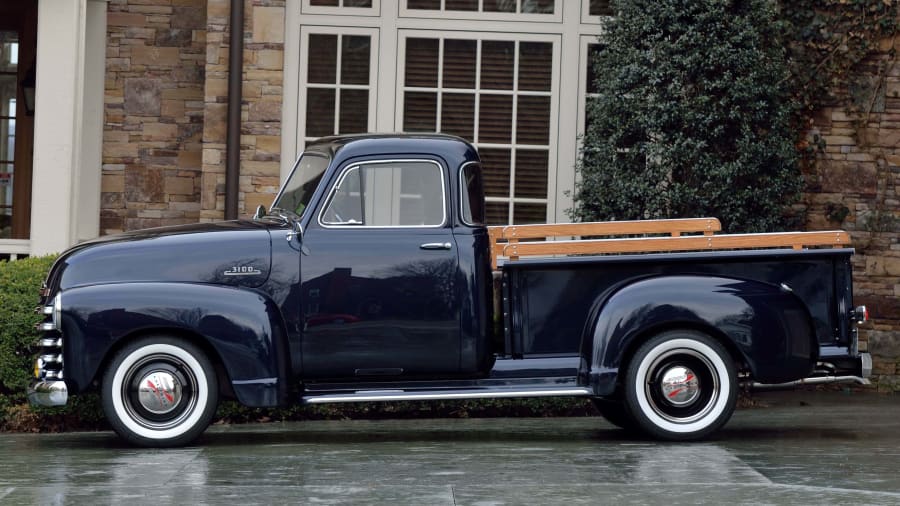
x: 713, y: 395
x: 186, y: 424
x: 718, y: 407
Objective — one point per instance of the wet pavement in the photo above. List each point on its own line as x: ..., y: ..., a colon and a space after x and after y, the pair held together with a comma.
x: 804, y: 448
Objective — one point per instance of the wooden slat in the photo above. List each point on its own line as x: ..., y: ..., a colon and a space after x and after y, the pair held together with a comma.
x: 672, y: 227
x: 796, y: 240
x: 496, y: 248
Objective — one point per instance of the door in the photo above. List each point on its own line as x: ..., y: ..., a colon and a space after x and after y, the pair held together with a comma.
x: 379, y: 275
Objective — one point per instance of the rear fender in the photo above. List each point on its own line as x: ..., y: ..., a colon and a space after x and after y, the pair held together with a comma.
x: 243, y: 327
x: 767, y: 326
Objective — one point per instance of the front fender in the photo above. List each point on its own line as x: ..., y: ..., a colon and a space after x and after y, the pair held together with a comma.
x: 769, y: 326
x: 243, y: 327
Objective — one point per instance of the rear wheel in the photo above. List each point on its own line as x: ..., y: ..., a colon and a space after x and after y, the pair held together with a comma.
x: 681, y: 385
x: 160, y: 391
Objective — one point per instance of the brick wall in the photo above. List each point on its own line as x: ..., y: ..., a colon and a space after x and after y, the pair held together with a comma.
x: 860, y: 170
x: 154, y: 113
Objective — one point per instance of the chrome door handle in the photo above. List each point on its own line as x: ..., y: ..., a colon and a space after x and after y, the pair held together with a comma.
x: 436, y: 245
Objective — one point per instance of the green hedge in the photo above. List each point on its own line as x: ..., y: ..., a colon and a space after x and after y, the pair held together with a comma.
x: 20, y: 282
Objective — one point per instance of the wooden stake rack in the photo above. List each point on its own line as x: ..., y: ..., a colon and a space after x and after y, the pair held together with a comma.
x: 645, y: 236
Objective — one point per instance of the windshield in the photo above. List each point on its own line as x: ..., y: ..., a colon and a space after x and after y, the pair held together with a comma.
x: 302, y: 183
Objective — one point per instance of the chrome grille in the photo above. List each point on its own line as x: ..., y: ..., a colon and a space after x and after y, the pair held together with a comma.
x: 49, y: 362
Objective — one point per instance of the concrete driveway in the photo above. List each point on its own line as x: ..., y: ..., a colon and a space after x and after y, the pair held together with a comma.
x: 805, y: 448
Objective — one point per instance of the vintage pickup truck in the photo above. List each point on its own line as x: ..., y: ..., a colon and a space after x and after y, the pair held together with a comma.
x: 373, y: 278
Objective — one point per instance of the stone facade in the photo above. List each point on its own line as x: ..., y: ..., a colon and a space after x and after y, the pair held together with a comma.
x: 261, y: 106
x: 854, y: 187
x: 166, y: 105
x: 154, y: 113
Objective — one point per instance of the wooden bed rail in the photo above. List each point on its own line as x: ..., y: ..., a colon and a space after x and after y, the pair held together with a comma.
x: 505, y: 239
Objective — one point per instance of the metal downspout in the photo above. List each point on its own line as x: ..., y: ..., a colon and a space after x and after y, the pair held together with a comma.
x: 235, y: 91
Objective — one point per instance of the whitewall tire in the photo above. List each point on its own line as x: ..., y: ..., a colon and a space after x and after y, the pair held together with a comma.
x: 681, y: 385
x: 160, y: 391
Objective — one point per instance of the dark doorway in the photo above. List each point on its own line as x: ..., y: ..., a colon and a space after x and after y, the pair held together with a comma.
x: 18, y: 43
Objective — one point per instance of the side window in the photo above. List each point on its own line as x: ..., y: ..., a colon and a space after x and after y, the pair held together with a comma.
x: 472, y: 205
x: 388, y: 194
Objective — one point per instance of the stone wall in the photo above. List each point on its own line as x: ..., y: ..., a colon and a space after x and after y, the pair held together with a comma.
x: 854, y: 187
x: 263, y: 74
x: 154, y: 113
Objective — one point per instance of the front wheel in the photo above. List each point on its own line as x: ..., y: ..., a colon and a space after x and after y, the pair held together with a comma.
x: 160, y: 392
x: 681, y: 385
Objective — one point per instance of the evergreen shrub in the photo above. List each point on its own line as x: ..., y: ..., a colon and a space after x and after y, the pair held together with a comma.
x: 692, y: 117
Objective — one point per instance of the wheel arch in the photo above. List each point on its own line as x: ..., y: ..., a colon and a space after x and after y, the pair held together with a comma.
x: 765, y: 328
x: 222, y: 376
x: 241, y: 331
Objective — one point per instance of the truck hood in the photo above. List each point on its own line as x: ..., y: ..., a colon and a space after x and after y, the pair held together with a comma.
x: 234, y: 253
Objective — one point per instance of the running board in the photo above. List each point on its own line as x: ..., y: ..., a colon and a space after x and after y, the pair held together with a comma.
x: 425, y: 395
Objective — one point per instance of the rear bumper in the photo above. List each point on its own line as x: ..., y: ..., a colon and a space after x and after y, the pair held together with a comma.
x: 48, y: 393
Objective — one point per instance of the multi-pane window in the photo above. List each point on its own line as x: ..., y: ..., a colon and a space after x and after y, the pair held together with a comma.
x: 340, y: 3
x: 337, y: 94
x: 504, y: 10
x: 342, y: 7
x: 9, y: 62
x: 497, y: 94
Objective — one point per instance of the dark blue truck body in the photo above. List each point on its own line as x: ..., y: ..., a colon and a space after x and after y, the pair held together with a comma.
x: 303, y: 306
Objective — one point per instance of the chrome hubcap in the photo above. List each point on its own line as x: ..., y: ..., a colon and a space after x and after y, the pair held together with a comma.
x: 680, y: 386
x: 159, y: 392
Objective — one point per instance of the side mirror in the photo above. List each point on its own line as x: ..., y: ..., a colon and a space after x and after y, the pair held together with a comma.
x: 260, y: 212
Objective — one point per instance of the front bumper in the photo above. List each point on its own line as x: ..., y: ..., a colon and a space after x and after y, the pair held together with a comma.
x: 48, y: 393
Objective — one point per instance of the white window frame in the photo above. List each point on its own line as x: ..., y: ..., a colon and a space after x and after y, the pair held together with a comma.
x: 340, y: 31
x: 443, y: 13
x: 513, y: 146
x: 374, y: 10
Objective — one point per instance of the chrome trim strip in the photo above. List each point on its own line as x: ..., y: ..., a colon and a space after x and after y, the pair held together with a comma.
x: 382, y: 395
x: 51, y: 359
x: 48, y: 393
x: 52, y: 375
x: 823, y: 380
x: 51, y: 342
x: 46, y: 327
x: 57, y: 311
x: 261, y: 381
x: 48, y: 310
